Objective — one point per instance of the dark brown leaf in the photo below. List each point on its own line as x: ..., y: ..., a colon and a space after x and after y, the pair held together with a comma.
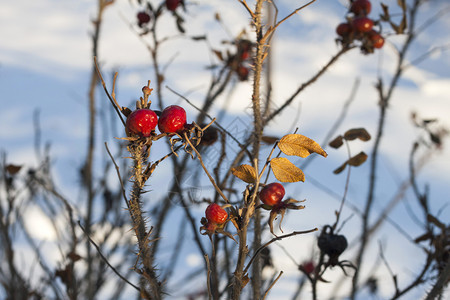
x: 402, y: 4
x: 358, y: 159
x: 337, y: 142
x: 340, y: 169
x: 269, y: 140
x: 357, y: 133
x: 385, y: 16
x: 13, y: 169
x: 218, y: 54
x: 394, y: 26
x: 402, y: 25
x: 435, y: 221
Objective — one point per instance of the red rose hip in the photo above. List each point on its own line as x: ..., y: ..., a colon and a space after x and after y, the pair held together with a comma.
x: 308, y: 267
x: 272, y: 194
x: 216, y: 214
x: 172, y: 4
x: 143, y: 18
x: 361, y: 7
x: 344, y: 29
x: 362, y: 24
x: 141, y: 122
x: 376, y: 39
x: 172, y: 119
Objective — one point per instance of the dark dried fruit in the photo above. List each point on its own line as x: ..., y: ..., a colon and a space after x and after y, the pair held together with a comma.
x: 210, y: 135
x: 332, y: 245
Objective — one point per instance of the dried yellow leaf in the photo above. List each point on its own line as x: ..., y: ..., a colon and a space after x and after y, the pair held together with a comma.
x: 285, y: 171
x: 245, y: 172
x: 299, y: 145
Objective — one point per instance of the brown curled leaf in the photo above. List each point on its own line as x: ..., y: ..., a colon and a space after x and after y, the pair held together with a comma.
x: 13, y: 169
x: 269, y: 140
x: 358, y: 159
x: 337, y: 142
x: 357, y: 133
x: 340, y: 168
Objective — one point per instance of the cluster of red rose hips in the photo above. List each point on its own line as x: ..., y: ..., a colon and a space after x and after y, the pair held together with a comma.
x: 143, y: 17
x: 142, y: 122
x: 360, y: 27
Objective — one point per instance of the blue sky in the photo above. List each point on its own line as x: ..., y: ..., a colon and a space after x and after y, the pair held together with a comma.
x: 45, y: 64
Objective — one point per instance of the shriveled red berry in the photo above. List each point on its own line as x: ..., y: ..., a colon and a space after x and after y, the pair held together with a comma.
x: 308, y: 267
x: 210, y: 135
x: 362, y: 24
x: 344, y: 29
x: 141, y: 122
x: 216, y: 214
x: 376, y: 39
x: 172, y: 4
x: 244, y: 48
x: 272, y: 194
x: 242, y: 73
x: 143, y: 18
x: 361, y: 7
x: 172, y: 119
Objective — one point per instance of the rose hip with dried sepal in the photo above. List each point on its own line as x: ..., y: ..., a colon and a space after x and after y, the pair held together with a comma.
x: 215, y: 220
x: 172, y: 119
x: 141, y: 122
x: 216, y: 214
x: 272, y: 194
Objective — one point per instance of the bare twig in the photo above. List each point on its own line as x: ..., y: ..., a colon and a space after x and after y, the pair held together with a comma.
x: 112, y: 97
x: 278, y: 238
x: 124, y: 194
x: 271, y: 30
x: 208, y: 276
x: 221, y: 128
x: 105, y: 259
x: 308, y: 83
x: 199, y: 156
x: 272, y: 284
